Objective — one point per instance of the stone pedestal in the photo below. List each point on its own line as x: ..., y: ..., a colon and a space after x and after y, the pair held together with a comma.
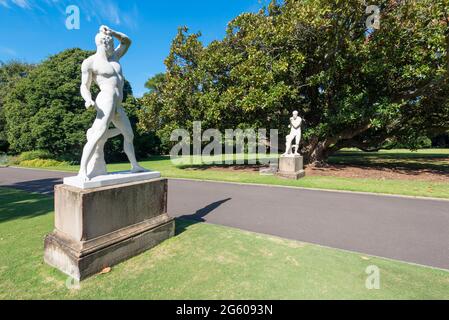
x: 110, y: 179
x: 291, y: 167
x: 97, y: 228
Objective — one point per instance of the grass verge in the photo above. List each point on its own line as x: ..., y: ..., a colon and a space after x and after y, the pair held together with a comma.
x: 201, y: 262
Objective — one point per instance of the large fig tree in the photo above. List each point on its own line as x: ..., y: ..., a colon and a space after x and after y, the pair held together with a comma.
x: 356, y: 86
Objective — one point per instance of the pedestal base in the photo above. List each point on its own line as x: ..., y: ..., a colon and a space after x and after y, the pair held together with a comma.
x: 101, y: 227
x: 295, y: 175
x: 291, y: 167
x: 111, y: 179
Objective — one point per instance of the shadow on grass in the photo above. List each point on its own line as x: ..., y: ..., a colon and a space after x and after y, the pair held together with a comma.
x: 43, y: 186
x: 241, y: 167
x: 150, y: 159
x: 408, y: 163
x: 20, y: 205
x: 410, y: 168
x: 183, y: 222
x: 392, y: 155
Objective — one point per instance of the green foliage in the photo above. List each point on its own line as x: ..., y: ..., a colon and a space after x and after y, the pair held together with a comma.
x: 412, y: 144
x: 33, y: 155
x: 45, y: 110
x: 155, y: 82
x: 355, y: 87
x: 10, y: 72
x: 27, y: 156
x: 3, y: 159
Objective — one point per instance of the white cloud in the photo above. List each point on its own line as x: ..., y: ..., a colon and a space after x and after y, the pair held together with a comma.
x: 109, y: 12
x: 103, y: 12
x: 8, y: 51
x: 130, y: 19
x: 25, y: 4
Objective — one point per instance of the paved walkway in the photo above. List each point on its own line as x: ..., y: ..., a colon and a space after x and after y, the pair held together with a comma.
x: 413, y: 230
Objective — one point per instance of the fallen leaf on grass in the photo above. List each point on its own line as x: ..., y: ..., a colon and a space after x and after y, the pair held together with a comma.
x: 365, y: 258
x: 105, y: 270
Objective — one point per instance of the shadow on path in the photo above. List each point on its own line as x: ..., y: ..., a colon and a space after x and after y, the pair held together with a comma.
x: 187, y: 220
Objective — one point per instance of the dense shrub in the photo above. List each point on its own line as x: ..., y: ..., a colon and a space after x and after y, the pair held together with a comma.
x: 42, y: 163
x: 33, y: 155
x: 3, y: 159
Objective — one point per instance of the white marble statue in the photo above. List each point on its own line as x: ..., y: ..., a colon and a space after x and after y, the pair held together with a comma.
x: 295, y: 135
x: 104, y: 68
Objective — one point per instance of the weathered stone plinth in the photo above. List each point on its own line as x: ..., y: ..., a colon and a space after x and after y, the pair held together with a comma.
x: 291, y: 167
x: 100, y: 227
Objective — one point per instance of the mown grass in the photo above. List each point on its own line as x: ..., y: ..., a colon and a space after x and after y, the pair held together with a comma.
x: 201, y: 262
x: 432, y: 159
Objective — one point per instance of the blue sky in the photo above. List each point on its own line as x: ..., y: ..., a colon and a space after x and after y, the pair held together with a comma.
x: 31, y: 30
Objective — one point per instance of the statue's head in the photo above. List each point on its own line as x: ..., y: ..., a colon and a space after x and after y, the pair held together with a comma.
x: 295, y: 114
x: 105, y: 41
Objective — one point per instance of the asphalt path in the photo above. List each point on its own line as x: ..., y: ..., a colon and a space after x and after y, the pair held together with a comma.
x: 401, y: 228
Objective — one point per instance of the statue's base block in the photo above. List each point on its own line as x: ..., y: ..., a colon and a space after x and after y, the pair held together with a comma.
x: 101, y: 227
x: 291, y: 167
x: 111, y: 179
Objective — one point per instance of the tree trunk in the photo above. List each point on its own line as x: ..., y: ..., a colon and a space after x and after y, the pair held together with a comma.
x: 317, y: 154
x: 317, y: 151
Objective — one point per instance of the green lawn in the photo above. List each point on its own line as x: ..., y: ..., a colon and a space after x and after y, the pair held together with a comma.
x: 435, y: 159
x: 201, y: 262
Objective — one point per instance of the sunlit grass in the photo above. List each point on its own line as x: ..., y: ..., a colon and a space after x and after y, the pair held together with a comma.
x: 202, y: 261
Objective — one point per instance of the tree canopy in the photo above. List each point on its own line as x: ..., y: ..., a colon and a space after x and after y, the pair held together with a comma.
x: 355, y: 86
x: 10, y: 73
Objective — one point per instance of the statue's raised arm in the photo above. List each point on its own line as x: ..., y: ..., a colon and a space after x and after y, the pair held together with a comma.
x: 125, y: 41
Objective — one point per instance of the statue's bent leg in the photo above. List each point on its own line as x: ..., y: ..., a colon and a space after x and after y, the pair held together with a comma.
x: 288, y: 144
x: 297, y: 141
x: 105, y: 104
x: 121, y: 121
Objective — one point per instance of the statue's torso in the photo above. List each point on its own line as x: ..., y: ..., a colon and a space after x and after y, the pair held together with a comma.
x: 296, y: 125
x: 108, y: 75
